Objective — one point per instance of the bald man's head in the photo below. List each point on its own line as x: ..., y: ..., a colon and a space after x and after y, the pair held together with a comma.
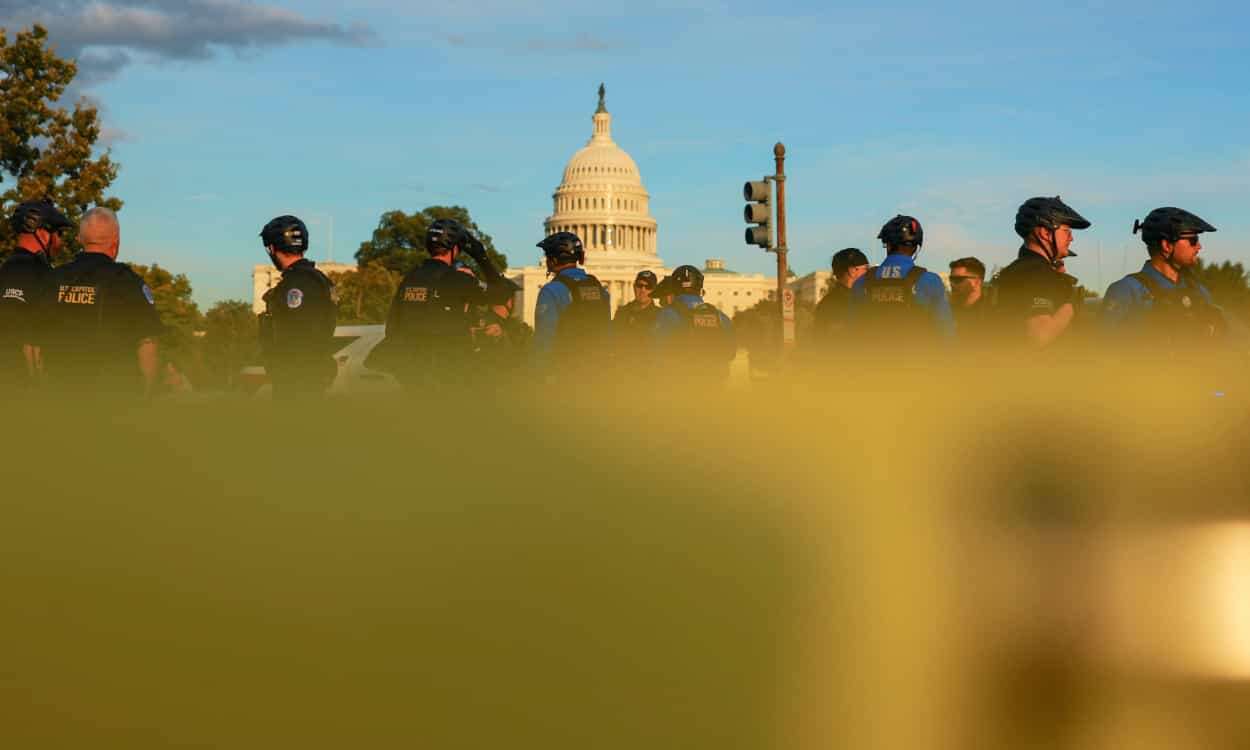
x: 99, y: 232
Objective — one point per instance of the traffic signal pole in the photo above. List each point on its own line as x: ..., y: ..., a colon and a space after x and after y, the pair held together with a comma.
x: 785, y: 297
x: 765, y: 214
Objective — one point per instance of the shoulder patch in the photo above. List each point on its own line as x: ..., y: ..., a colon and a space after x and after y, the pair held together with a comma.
x: 15, y: 293
x: 147, y: 295
x: 294, y: 298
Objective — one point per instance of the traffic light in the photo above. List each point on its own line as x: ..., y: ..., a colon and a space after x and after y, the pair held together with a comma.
x: 760, y: 213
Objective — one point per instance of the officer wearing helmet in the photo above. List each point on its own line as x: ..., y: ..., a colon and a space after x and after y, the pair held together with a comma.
x: 297, y: 327
x: 1164, y: 303
x: 1035, y: 302
x: 429, y: 329
x: 25, y: 288
x: 692, y: 337
x: 573, y: 314
x: 103, y: 331
x: 900, y: 299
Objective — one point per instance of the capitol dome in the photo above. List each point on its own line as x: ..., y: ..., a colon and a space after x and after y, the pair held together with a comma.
x: 601, y: 198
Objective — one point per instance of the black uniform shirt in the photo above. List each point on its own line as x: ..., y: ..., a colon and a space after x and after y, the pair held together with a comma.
x: 1031, y: 286
x: 25, y: 291
x: 634, y: 327
x: 300, y: 318
x: 101, y: 310
x: 432, y: 306
x: 830, y: 316
x: 972, y: 322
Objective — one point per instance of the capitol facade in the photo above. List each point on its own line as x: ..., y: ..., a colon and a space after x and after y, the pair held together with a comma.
x: 601, y: 199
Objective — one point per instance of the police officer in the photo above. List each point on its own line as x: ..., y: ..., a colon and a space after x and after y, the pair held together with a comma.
x: 1034, y: 302
x: 968, y: 300
x: 573, y: 315
x: 25, y: 289
x: 899, y: 300
x: 1163, y: 303
x: 635, y: 321
x: 297, y: 327
x: 429, y: 339
x: 663, y: 293
x: 102, y: 334
x: 692, y: 337
x: 849, y: 264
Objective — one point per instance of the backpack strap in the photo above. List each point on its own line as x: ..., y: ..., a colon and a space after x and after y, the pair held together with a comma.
x: 568, y: 284
x: 913, y: 276
x: 1153, y: 289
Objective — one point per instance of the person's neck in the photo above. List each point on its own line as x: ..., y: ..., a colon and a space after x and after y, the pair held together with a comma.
x: 1163, y: 267
x: 29, y: 244
x: 445, y: 259
x: 1037, y: 249
x: 100, y: 251
x: 846, y: 281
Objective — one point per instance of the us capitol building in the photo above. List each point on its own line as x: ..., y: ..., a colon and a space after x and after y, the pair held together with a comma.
x: 602, y: 200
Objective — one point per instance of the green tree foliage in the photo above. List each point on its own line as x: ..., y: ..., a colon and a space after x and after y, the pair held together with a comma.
x: 1229, y: 285
x: 398, y: 243
x: 45, y: 149
x: 364, y: 295
x: 172, y: 296
x: 229, y: 343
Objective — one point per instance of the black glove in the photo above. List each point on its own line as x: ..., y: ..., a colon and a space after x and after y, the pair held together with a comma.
x: 474, y: 247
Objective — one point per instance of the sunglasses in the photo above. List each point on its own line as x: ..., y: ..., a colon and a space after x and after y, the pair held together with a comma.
x: 962, y: 279
x: 1192, y: 238
x: 641, y: 285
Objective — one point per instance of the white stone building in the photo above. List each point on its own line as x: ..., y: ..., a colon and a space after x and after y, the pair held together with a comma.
x: 602, y: 200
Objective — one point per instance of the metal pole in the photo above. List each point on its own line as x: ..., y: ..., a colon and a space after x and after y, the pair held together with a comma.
x: 785, y: 297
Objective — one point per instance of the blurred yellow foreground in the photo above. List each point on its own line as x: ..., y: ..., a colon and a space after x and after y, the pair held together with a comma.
x: 924, y: 559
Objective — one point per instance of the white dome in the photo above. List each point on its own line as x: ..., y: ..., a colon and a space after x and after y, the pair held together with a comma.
x: 600, y: 162
x: 601, y: 197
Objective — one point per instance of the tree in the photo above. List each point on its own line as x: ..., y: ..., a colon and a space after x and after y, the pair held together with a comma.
x: 364, y: 295
x: 1229, y: 285
x: 46, y: 150
x: 172, y: 296
x: 229, y: 343
x: 398, y: 243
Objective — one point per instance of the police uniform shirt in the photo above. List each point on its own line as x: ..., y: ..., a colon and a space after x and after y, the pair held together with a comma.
x: 25, y: 292
x: 832, y: 313
x: 972, y: 321
x: 302, y: 315
x: 433, y: 304
x: 634, y: 323
x: 1031, y: 286
x: 101, y: 311
x: 669, y: 322
x: 929, y: 290
x: 1127, y: 305
x: 553, y: 298
x: 635, y: 316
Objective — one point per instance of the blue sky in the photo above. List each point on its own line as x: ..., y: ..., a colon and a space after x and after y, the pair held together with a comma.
x: 225, y: 113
